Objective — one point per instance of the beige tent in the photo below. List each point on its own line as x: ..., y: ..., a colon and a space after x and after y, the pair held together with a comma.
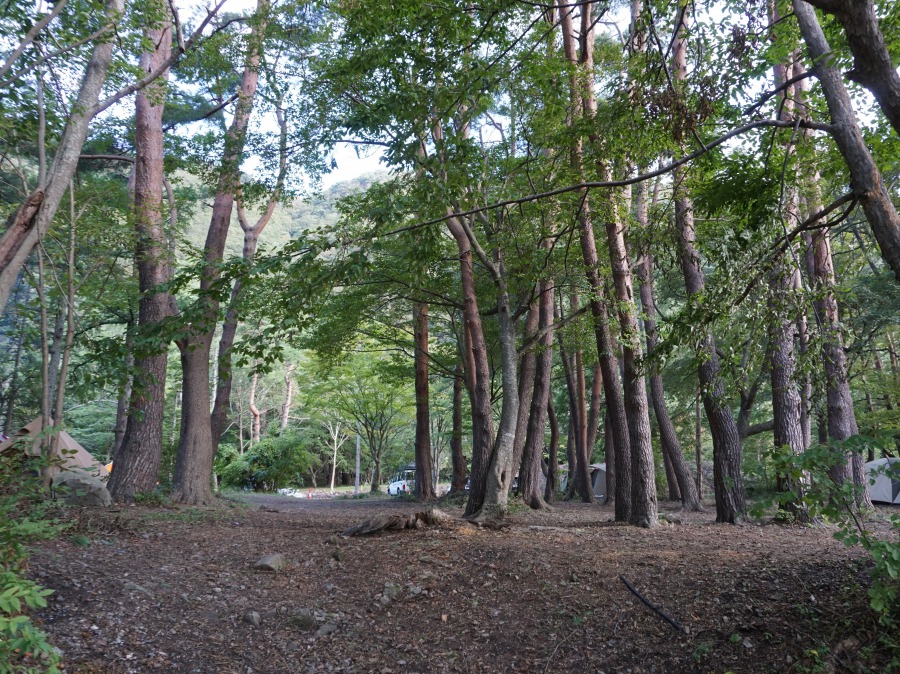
x: 73, y: 456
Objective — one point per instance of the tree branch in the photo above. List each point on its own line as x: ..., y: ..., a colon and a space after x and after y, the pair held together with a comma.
x: 763, y: 123
x: 31, y: 35
x: 165, y: 65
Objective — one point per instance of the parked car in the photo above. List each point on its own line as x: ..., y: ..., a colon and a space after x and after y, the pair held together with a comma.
x: 403, y: 481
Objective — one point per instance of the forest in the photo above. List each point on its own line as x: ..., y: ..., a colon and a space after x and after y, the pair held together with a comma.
x: 653, y: 241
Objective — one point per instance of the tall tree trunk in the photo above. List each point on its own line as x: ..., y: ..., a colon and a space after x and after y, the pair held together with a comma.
x: 56, y: 344
x: 252, y: 233
x: 685, y: 487
x: 570, y: 451
x: 786, y: 402
x: 457, y: 457
x: 32, y: 220
x: 609, y: 452
x: 727, y: 480
x: 804, y: 379
x: 12, y: 391
x: 552, y: 485
x: 254, y: 410
x: 579, y: 473
x: 288, y: 397
x: 376, y: 476
x: 194, y: 460
x: 531, y: 473
x: 527, y: 367
x: 594, y: 409
x: 671, y: 447
x: 614, y: 401
x: 70, y: 323
x: 865, y: 178
x: 643, y: 481
x: 671, y: 480
x: 499, y: 474
x: 122, y: 407
x: 841, y: 417
x: 424, y: 477
x: 193, y: 465
x: 136, y: 463
x: 477, y: 371
x: 785, y: 394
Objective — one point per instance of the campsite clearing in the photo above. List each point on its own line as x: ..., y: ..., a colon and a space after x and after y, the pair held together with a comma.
x: 174, y: 590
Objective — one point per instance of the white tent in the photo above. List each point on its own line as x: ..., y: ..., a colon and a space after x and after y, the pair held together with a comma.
x: 598, y: 479
x: 884, y: 480
x: 72, y: 455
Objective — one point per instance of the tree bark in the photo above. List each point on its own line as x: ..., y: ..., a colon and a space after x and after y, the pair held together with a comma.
x: 785, y: 394
x: 477, y: 371
x: 685, y: 486
x: 499, y: 474
x: 194, y: 461
x: 224, y: 378
x: 596, y: 403
x: 786, y: 401
x: 873, y: 66
x: 254, y: 410
x: 614, y: 401
x: 31, y: 221
x: 122, y: 408
x: 841, y: 417
x: 865, y: 178
x: 530, y: 474
x: 193, y: 465
x: 644, y: 509
x: 727, y: 480
x: 288, y: 397
x: 552, y: 486
x: 579, y: 474
x: 527, y: 368
x: 12, y: 391
x: 70, y: 324
x: 609, y: 452
x: 457, y: 457
x: 136, y: 464
x: 424, y: 479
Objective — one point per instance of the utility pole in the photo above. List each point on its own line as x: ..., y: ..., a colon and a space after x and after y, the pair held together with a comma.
x: 356, y: 483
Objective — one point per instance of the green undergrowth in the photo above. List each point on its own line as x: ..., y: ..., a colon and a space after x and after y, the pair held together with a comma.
x: 26, y: 517
x: 822, y: 500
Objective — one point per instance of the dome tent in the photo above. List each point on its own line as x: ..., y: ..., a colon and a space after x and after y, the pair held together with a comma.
x: 884, y: 480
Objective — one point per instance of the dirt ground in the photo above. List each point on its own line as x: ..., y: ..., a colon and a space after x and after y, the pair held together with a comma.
x: 174, y: 590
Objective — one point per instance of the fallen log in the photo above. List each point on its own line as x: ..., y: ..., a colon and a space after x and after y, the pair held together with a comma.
x: 388, y: 522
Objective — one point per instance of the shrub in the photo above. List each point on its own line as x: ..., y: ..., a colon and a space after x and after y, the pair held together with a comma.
x: 23, y: 520
x: 836, y: 503
x: 271, y: 464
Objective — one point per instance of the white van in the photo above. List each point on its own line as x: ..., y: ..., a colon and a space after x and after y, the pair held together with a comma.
x: 403, y: 481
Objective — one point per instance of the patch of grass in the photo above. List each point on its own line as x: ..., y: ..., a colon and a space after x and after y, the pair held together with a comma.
x: 701, y: 651
x: 303, y: 622
x: 81, y: 540
x: 151, y: 499
x: 817, y: 660
x: 454, y: 498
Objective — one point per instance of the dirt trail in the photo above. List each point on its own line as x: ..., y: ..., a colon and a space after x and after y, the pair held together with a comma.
x: 173, y: 590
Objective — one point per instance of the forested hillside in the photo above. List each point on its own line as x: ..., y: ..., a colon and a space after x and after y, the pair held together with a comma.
x: 626, y: 254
